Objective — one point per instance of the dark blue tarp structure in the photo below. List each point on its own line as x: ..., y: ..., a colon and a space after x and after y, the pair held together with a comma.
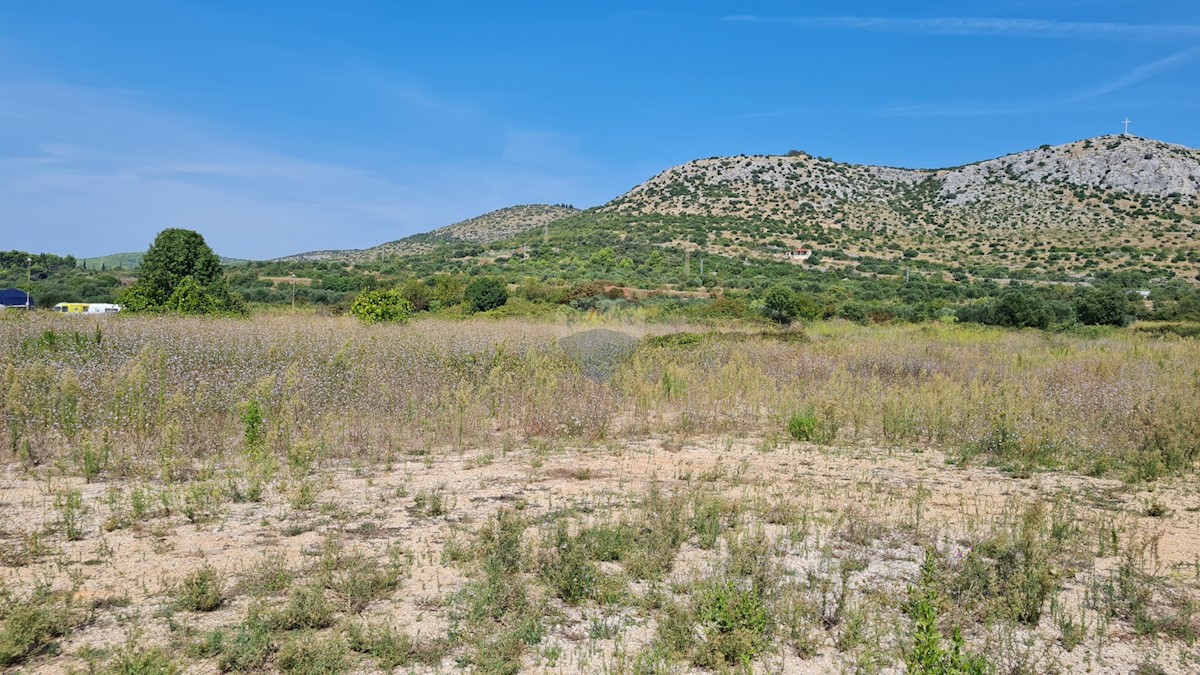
x: 14, y: 297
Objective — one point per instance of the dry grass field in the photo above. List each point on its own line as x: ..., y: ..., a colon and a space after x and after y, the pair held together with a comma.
x: 310, y: 495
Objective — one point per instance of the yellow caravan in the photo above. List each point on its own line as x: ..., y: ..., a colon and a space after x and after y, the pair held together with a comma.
x: 71, y: 307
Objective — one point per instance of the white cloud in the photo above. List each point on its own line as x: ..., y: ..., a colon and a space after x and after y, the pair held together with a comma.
x: 983, y: 26
x: 1143, y: 72
x: 977, y: 109
x: 91, y: 171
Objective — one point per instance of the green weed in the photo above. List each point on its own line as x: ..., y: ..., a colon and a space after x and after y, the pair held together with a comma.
x: 32, y: 624
x: 200, y: 591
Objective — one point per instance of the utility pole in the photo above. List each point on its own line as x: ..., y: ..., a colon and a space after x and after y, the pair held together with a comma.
x: 28, y: 281
x: 687, y: 262
x: 293, y: 291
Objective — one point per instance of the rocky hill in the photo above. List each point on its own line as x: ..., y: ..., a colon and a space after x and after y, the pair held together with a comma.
x: 1096, y: 207
x: 1100, y: 203
x: 489, y: 227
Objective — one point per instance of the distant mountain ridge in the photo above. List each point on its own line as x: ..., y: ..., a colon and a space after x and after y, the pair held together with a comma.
x: 1067, y: 212
x: 1054, y: 210
x: 132, y: 260
x: 484, y: 229
x: 776, y: 184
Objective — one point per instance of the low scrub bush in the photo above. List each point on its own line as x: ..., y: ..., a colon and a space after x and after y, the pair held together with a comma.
x: 725, y: 623
x: 927, y: 653
x: 810, y: 426
x: 392, y: 649
x: 200, y: 591
x: 494, y: 611
x: 306, y: 608
x: 249, y: 646
x: 381, y: 306
x: 31, y: 625
x: 135, y: 660
x: 1014, y: 572
x: 566, y: 567
x: 307, y: 654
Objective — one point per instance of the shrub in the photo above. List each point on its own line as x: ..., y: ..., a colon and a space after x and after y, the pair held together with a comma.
x: 1108, y: 306
x: 310, y: 655
x: 736, y: 618
x: 200, y: 591
x: 567, y: 569
x: 1011, y: 574
x: 803, y: 426
x: 306, y: 608
x: 485, y: 293
x: 360, y: 579
x: 249, y: 647
x: 418, y: 293
x: 391, y: 648
x: 494, y: 610
x: 780, y: 305
x: 133, y: 660
x: 725, y: 624
x: 381, y: 306
x: 926, y: 654
x: 253, y: 426
x: 1018, y: 307
x: 30, y: 625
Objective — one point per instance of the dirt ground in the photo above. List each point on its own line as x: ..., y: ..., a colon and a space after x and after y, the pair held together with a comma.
x: 125, y: 575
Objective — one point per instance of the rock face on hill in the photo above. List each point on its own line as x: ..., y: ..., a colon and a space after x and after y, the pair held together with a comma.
x: 484, y: 229
x: 1127, y: 164
x: 1105, y: 203
x: 796, y: 184
x: 1100, y: 205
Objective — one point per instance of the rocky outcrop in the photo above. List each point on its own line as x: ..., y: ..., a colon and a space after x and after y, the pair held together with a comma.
x: 1038, y: 188
x: 1126, y: 164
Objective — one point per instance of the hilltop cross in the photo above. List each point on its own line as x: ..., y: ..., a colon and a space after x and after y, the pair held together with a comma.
x: 1126, y: 123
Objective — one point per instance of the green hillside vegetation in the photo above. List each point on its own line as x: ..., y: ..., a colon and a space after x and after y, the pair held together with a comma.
x: 115, y: 261
x: 489, y: 227
x: 57, y: 279
x: 131, y: 261
x: 1032, y: 239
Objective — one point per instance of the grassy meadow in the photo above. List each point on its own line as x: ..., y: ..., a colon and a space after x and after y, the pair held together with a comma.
x: 308, y: 494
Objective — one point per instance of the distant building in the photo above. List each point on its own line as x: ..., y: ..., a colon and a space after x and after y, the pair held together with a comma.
x: 15, y: 297
x: 798, y: 254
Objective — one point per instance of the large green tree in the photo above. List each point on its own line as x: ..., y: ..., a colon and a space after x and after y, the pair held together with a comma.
x: 485, y: 293
x: 175, y: 254
x: 780, y: 305
x: 180, y: 273
x: 1108, y: 306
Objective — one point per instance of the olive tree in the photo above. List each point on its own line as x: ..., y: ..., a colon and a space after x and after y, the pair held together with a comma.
x: 180, y: 273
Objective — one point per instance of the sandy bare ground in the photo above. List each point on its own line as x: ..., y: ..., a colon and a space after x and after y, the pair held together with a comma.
x: 906, y: 497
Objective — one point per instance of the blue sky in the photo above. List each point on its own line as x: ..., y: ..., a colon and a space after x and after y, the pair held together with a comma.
x: 279, y: 127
